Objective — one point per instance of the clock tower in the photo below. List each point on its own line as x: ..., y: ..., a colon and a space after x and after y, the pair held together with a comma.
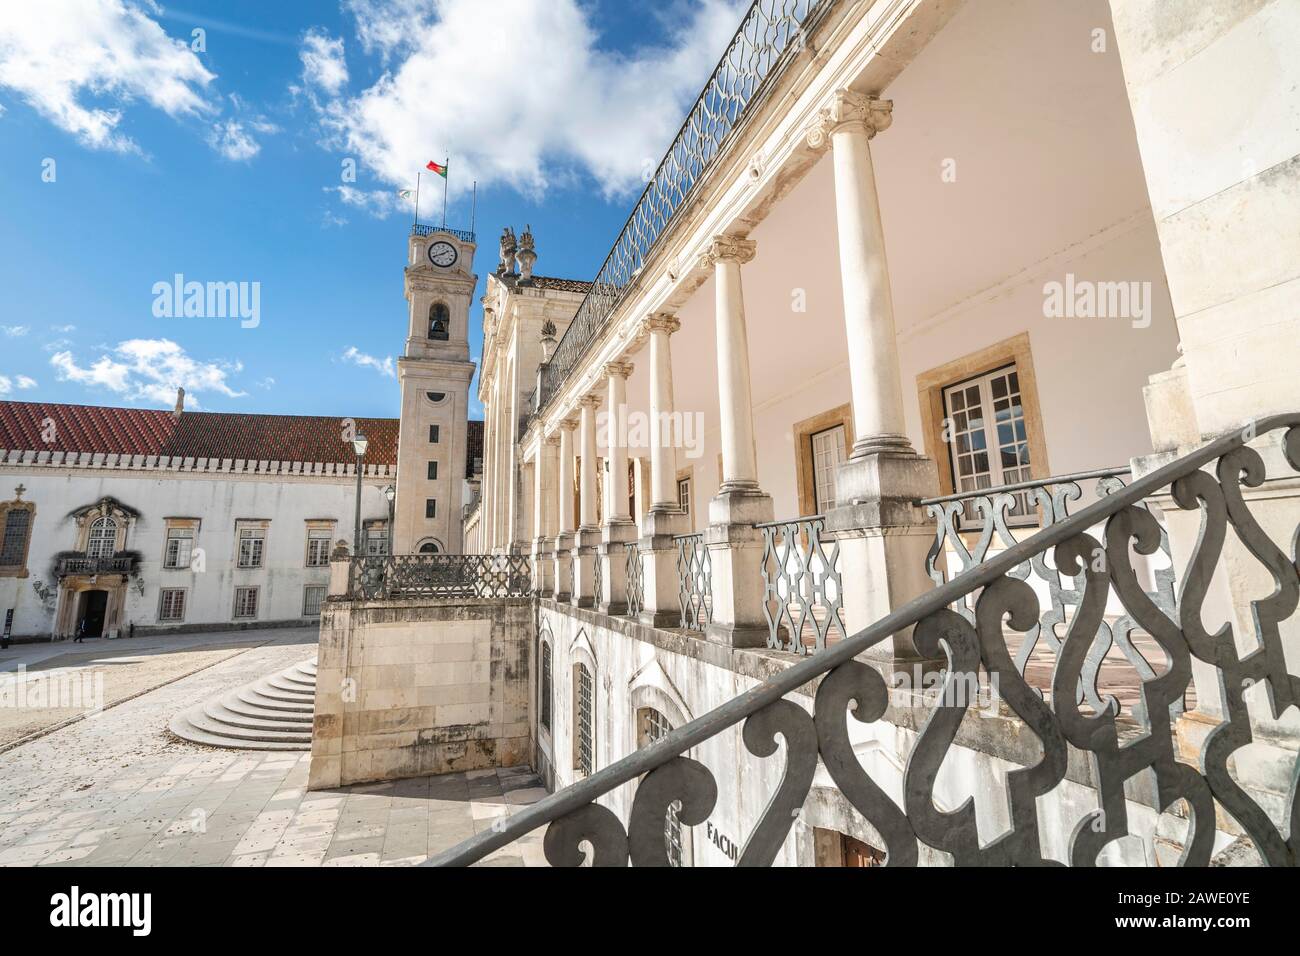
x: 434, y: 372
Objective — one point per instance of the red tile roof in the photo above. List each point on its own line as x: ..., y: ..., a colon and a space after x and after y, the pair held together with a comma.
x: 147, y: 431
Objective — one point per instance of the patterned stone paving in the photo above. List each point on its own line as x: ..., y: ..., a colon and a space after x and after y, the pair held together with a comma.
x: 116, y: 789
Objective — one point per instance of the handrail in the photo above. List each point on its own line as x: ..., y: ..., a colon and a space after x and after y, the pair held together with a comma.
x: 1026, y: 485
x: 682, y: 739
x: 422, y: 229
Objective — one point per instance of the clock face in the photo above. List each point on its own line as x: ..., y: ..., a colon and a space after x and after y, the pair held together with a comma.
x: 442, y: 254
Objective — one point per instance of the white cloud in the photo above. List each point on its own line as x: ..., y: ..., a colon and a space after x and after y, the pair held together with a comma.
x: 8, y: 384
x: 520, y: 91
x: 383, y: 366
x: 149, y: 370
x: 231, y: 140
x: 63, y: 329
x: 378, y: 202
x: 14, y: 331
x: 323, y: 65
x: 56, y: 53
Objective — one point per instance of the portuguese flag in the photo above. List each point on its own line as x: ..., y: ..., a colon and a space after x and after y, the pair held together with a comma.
x: 440, y: 170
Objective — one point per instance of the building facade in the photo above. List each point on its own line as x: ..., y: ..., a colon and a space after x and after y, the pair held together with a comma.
x: 956, y: 271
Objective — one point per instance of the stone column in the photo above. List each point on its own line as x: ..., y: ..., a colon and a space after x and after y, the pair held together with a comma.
x: 619, y: 528
x: 564, y: 514
x: 542, y: 567
x: 883, y: 536
x: 587, y: 540
x: 664, y: 518
x: 546, y: 493
x: 485, y: 483
x: 735, y: 545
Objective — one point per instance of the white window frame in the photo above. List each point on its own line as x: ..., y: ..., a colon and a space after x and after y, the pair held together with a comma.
x: 684, y: 500
x: 95, y: 542
x: 1000, y: 429
x: 827, y: 450
x: 318, y: 547
x: 256, y: 538
x: 163, y: 594
x: 257, y: 600
x: 306, y: 599
x: 177, y: 534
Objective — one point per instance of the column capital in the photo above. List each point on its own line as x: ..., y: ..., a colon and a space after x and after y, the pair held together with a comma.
x: 727, y: 249
x: 568, y: 424
x: 591, y: 401
x: 552, y: 440
x: 618, y: 369
x: 850, y: 108
x: 660, y: 322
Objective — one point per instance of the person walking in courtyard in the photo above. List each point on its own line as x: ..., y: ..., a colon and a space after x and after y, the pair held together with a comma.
x: 81, y: 633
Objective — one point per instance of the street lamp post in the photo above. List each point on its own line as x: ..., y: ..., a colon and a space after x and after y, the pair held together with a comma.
x: 391, y: 494
x: 359, y: 446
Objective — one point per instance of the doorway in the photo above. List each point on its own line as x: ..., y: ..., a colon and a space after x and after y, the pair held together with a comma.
x: 91, y: 610
x: 832, y: 848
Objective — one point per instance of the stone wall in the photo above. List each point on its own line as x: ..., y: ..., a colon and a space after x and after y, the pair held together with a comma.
x: 406, y: 688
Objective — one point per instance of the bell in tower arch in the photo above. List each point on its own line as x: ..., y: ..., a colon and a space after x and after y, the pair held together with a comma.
x: 439, y: 322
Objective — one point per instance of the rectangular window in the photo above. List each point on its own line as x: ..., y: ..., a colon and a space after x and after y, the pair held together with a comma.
x: 13, y: 550
x: 585, y: 696
x: 245, y: 603
x: 827, y: 453
x: 433, y: 434
x: 431, y: 507
x: 252, y: 544
x: 376, y: 538
x: 653, y: 726
x: 313, y: 596
x: 433, y: 471
x: 684, y: 494
x: 318, y: 547
x: 988, y: 442
x: 545, y: 692
x: 180, y: 549
x: 171, y: 604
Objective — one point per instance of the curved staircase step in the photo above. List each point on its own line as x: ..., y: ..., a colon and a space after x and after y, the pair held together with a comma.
x: 271, y: 713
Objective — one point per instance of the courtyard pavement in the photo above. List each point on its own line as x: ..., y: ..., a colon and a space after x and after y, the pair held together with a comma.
x: 114, y: 788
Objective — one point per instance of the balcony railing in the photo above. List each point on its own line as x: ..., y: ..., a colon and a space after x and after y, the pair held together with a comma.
x: 69, y: 564
x: 440, y: 576
x: 1207, y: 483
x: 635, y: 580
x: 694, y: 581
x: 423, y: 229
x: 985, y: 519
x: 770, y: 36
x: 801, y: 585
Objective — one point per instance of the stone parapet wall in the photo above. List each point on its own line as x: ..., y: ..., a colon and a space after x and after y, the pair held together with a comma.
x: 406, y: 688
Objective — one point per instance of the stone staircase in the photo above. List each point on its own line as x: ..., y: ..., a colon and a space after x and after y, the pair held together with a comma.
x: 273, y: 713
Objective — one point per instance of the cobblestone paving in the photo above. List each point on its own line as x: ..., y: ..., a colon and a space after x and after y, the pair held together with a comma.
x: 116, y: 789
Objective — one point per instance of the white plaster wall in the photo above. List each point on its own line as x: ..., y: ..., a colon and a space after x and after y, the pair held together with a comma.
x: 288, y: 502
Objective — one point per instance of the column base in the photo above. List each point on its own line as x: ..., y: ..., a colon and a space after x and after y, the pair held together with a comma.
x: 586, y: 545
x: 884, y: 538
x: 613, y: 537
x: 661, y: 587
x: 736, y: 556
x: 563, y: 575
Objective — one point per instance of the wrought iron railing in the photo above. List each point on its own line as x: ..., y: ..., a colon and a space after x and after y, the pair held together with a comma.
x: 801, y: 585
x: 635, y: 579
x: 694, y: 581
x: 80, y: 564
x: 423, y: 229
x: 770, y: 36
x: 440, y: 576
x: 851, y: 688
x: 983, y: 518
x: 597, y: 579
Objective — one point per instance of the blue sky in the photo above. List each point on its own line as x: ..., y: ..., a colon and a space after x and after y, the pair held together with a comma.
x: 227, y: 164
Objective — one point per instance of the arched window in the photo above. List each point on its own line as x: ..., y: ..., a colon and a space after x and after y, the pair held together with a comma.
x: 439, y: 322
x: 102, y: 541
x: 652, y: 726
x: 584, y: 753
x: 429, y: 547
x: 545, y: 692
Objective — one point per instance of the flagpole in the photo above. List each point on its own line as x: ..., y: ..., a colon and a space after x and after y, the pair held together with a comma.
x: 417, y: 197
x: 473, y: 209
x: 446, y: 169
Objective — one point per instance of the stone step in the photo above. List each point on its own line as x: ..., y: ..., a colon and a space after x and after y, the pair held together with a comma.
x: 218, y: 712
x: 272, y: 713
